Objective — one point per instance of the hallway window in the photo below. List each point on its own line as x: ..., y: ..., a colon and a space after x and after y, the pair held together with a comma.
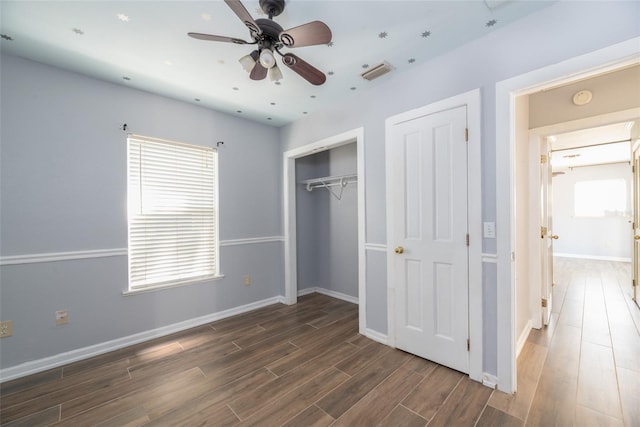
x: 172, y: 213
x: 601, y: 198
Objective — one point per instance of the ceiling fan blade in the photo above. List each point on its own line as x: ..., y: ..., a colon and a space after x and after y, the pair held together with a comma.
x: 309, y: 34
x: 244, y: 15
x: 211, y: 37
x: 304, y: 69
x: 258, y: 72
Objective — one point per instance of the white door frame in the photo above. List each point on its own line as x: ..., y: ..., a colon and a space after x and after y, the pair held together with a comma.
x: 535, y: 137
x: 289, y: 199
x: 471, y: 100
x: 579, y: 67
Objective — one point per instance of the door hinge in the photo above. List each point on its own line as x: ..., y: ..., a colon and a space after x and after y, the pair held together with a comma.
x: 633, y: 168
x: 544, y: 303
x: 466, y: 134
x: 543, y: 158
x: 468, y: 344
x: 467, y: 239
x: 543, y: 232
x: 633, y: 283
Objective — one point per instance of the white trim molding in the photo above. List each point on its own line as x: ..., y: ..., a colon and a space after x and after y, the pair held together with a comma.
x: 490, y: 258
x: 104, y: 253
x: 61, y: 256
x: 330, y: 293
x: 376, y: 336
x: 522, y: 339
x: 251, y: 241
x: 490, y: 381
x: 594, y: 257
x: 61, y: 359
x: 375, y: 247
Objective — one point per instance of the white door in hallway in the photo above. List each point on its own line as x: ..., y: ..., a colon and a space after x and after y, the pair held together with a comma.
x: 427, y: 208
x: 635, y: 155
x: 546, y: 233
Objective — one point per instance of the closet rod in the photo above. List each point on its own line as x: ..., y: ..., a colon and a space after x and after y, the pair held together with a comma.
x: 331, y: 181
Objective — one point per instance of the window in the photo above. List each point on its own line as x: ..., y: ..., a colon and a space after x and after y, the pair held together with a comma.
x: 172, y: 211
x: 600, y: 198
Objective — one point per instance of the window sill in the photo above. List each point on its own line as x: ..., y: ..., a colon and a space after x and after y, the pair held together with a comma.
x: 130, y: 292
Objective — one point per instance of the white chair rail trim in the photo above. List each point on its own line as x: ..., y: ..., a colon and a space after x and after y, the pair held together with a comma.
x: 103, y: 253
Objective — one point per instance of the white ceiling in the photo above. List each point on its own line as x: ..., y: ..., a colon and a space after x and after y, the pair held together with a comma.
x: 150, y: 47
x: 593, y: 146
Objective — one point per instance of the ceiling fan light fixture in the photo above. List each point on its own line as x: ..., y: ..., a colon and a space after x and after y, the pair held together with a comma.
x: 267, y: 59
x: 274, y: 73
x: 249, y: 61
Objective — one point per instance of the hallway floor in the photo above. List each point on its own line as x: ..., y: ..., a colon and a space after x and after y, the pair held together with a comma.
x: 584, y: 368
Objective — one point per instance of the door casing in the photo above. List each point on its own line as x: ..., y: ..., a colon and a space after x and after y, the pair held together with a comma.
x: 471, y: 100
x: 577, y: 68
x: 289, y: 209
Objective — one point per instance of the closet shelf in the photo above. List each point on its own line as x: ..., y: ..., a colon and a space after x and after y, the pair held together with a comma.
x: 331, y: 181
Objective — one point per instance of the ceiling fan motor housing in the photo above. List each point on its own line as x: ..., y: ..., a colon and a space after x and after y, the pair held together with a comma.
x: 272, y: 7
x: 270, y: 32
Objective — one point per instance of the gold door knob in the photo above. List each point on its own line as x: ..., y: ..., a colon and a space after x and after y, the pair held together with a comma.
x: 399, y: 250
x: 636, y: 237
x: 555, y: 237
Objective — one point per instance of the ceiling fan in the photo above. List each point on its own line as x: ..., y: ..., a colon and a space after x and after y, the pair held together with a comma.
x: 270, y: 38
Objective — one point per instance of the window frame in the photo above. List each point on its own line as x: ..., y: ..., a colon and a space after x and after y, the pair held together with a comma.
x: 213, y: 246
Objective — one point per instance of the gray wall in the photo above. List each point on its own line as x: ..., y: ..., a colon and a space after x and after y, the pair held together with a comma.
x: 534, y: 42
x: 312, y: 216
x: 63, y: 181
x: 63, y: 189
x: 327, y: 228
x: 343, y: 225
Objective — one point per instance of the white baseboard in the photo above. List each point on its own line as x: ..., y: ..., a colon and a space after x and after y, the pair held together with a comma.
x: 594, y: 257
x: 376, y: 336
x: 490, y: 381
x: 40, y: 365
x: 328, y: 292
x: 338, y: 295
x: 306, y: 291
x: 522, y: 339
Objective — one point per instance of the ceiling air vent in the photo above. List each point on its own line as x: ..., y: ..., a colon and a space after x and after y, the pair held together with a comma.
x: 377, y: 71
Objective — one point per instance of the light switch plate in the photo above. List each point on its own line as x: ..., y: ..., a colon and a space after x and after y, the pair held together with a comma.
x: 489, y: 230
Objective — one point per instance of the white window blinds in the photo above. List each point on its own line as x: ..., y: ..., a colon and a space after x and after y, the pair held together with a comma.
x: 172, y: 203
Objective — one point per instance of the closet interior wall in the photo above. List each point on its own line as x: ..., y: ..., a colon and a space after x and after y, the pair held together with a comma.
x: 327, y: 227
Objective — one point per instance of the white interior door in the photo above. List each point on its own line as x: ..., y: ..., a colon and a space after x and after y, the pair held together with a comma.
x: 428, y: 236
x: 636, y: 218
x: 546, y: 233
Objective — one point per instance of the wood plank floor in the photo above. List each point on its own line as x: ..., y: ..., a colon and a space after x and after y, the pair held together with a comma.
x: 584, y: 368
x: 306, y: 365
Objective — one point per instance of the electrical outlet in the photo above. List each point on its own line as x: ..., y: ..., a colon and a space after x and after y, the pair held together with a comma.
x: 246, y: 280
x: 6, y: 328
x: 62, y: 317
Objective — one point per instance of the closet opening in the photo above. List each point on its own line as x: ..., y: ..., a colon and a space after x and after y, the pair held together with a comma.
x: 327, y: 223
x: 324, y: 220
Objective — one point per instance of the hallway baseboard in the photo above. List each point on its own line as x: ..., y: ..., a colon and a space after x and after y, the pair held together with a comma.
x: 593, y: 257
